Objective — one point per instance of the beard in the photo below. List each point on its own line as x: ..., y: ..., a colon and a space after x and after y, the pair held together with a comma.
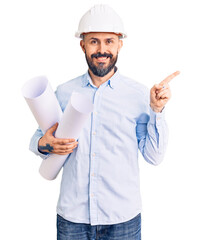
x: 100, y: 70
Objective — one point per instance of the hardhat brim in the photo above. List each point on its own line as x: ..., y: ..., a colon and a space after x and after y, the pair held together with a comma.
x: 80, y: 34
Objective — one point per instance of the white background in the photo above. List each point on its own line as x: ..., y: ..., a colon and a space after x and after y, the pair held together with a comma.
x: 37, y: 38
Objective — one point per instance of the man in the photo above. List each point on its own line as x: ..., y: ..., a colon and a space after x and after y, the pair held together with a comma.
x: 100, y: 192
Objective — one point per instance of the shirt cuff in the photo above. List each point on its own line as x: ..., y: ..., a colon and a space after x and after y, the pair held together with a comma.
x: 34, y: 148
x: 156, y: 117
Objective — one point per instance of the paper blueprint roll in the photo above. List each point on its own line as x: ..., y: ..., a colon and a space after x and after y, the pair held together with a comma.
x: 42, y: 102
x: 74, y: 117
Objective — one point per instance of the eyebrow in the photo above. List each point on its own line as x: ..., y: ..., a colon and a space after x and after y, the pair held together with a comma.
x: 93, y: 38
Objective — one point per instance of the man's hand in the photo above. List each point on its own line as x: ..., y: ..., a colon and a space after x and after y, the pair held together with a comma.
x: 49, y: 144
x: 160, y: 93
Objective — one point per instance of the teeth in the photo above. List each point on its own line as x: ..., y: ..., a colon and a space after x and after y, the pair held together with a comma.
x: 103, y: 57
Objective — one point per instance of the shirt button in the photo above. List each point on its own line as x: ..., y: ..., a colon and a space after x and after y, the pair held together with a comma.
x: 94, y: 133
x: 95, y: 113
x: 92, y: 174
x: 92, y: 195
x: 93, y: 154
x: 98, y: 93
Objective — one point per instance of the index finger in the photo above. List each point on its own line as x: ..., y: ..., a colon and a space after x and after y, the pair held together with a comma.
x: 169, y: 78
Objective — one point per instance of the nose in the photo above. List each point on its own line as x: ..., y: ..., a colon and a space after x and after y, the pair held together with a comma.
x: 102, y: 48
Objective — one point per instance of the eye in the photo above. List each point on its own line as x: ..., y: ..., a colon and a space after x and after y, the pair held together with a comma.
x: 93, y: 42
x: 109, y: 41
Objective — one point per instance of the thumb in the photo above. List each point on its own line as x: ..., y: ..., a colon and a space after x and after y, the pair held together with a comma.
x: 52, y: 129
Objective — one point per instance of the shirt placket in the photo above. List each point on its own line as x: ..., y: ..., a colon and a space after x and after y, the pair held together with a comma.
x: 94, y: 158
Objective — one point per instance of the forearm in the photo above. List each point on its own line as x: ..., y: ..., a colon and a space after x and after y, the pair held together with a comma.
x: 154, y: 143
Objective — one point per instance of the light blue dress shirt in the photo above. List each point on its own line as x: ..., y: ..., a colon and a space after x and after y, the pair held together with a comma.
x: 100, y: 181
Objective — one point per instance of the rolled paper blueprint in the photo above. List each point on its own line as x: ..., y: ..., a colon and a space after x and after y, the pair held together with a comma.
x: 42, y: 101
x: 71, y: 124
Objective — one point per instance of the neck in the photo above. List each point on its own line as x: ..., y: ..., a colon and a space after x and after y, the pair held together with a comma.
x: 97, y: 81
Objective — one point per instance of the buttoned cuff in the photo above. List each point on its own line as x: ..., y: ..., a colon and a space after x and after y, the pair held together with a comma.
x: 156, y: 117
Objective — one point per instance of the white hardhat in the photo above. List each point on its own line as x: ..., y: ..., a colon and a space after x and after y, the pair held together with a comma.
x: 101, y: 18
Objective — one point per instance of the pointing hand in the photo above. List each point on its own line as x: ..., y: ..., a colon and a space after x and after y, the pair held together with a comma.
x: 160, y: 93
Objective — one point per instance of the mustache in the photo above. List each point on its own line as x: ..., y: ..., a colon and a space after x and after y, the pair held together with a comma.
x: 97, y: 55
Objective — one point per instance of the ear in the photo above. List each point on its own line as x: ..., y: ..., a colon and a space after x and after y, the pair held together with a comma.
x: 120, y: 45
x: 82, y: 45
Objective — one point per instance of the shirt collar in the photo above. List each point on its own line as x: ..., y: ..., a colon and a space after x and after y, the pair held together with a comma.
x: 87, y: 81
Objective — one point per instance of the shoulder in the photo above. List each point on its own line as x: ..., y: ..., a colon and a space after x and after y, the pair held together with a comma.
x: 75, y: 82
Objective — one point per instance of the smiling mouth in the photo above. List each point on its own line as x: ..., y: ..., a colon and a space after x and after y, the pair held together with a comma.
x: 102, y: 59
